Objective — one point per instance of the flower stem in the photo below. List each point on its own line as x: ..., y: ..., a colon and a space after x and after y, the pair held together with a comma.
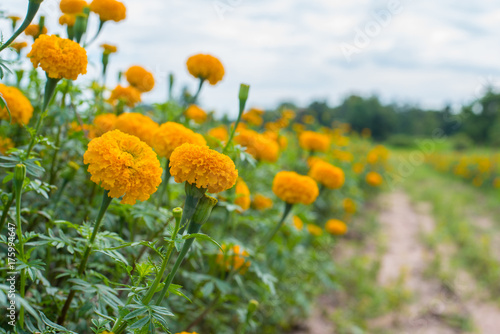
x: 50, y: 88
x: 30, y: 15
x: 164, y: 186
x: 5, y: 212
x: 199, y: 90
x: 106, y: 200
x: 288, y: 209
x: 18, y: 187
x: 243, y: 96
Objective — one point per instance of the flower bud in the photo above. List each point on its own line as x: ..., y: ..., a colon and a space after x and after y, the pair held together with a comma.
x: 244, y: 90
x: 204, y: 209
x: 252, y: 306
x: 70, y: 171
x: 19, y: 176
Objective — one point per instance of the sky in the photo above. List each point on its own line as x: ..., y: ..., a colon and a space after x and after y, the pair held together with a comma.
x: 424, y: 52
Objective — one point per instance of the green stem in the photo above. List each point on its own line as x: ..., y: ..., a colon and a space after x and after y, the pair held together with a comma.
x: 30, y: 15
x: 54, y: 156
x: 164, y: 186
x: 199, y: 90
x: 101, y: 24
x: 288, y: 209
x: 21, y: 252
x: 5, y: 212
x: 106, y: 200
x: 233, y: 131
x: 50, y: 88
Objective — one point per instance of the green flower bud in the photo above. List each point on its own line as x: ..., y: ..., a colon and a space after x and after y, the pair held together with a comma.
x: 19, y: 176
x: 252, y: 306
x: 204, y: 209
x: 244, y: 90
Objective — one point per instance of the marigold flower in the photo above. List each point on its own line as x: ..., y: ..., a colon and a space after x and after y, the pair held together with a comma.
x: 259, y: 146
x: 34, y: 30
x: 5, y: 144
x: 219, y: 133
x: 374, y: 179
x: 171, y: 135
x: 314, y: 230
x: 242, y: 195
x: 18, y: 46
x: 59, y: 57
x: 123, y: 165
x: 104, y: 123
x: 20, y: 107
x: 13, y: 18
x: 358, y: 168
x: 253, y: 116
x: 137, y: 125
x: 349, y: 205
x: 313, y: 141
x: 308, y: 119
x: 187, y: 333
x: 298, y: 223
x: 67, y: 19
x: 203, y: 167
x: 109, y: 49
x: 328, y: 175
x: 294, y: 188
x: 109, y: 10
x: 205, y: 67
x: 336, y: 227
x: 261, y: 202
x: 139, y: 78
x: 129, y: 95
x: 234, y: 258
x: 72, y: 6
x: 196, y: 114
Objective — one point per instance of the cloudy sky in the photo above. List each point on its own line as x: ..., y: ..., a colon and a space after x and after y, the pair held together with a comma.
x: 424, y: 52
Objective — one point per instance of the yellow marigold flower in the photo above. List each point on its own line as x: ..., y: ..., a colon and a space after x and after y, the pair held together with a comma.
x: 129, y: 95
x: 187, y: 333
x: 106, y: 332
x: 139, y: 78
x: 261, y: 202
x: 137, y: 125
x: 253, y: 116
x: 20, y: 107
x: 313, y: 141
x: 298, y: 223
x: 124, y: 166
x: 220, y: 133
x: 366, y: 133
x: 314, y: 230
x: 336, y: 227
x: 72, y: 6
x: 234, y: 258
x: 294, y: 188
x: 205, y: 67
x: 13, y: 18
x: 109, y: 49
x: 109, y: 10
x: 374, y: 179
x: 104, y: 123
x: 18, y: 46
x: 358, y: 168
x: 67, y: 19
x: 203, y: 167
x: 308, y: 119
x: 34, y: 30
x: 259, y: 146
x: 196, y: 114
x: 328, y: 175
x: 242, y: 195
x: 5, y: 144
x: 59, y: 57
x: 171, y: 135
x: 349, y: 205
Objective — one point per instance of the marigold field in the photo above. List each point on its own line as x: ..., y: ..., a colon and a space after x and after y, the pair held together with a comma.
x: 123, y: 216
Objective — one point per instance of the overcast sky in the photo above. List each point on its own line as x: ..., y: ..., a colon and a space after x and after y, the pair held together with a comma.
x: 424, y: 52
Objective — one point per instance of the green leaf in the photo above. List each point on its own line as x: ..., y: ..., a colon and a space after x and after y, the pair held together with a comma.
x: 3, y: 104
x: 140, y: 323
x: 202, y: 236
x: 136, y: 313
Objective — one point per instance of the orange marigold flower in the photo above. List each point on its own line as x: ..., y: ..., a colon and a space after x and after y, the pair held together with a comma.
x: 104, y: 123
x: 205, y: 67
x: 59, y: 57
x: 123, y: 165
x: 314, y: 230
x: 67, y: 19
x: 261, y: 202
x: 242, y: 195
x: 18, y: 46
x: 34, y: 30
x: 20, y: 107
x: 259, y: 146
x: 203, y: 167
x: 328, y: 175
x: 171, y: 135
x: 374, y: 179
x: 196, y: 114
x: 187, y: 333
x: 298, y: 223
x: 314, y: 141
x: 253, y: 116
x: 234, y: 258
x: 349, y: 205
x: 219, y: 132
x: 109, y: 49
x: 294, y: 188
x: 5, y: 144
x: 139, y: 78
x: 137, y: 125
x: 358, y: 168
x: 128, y: 95
x: 336, y: 227
x: 72, y: 6
x: 109, y: 10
